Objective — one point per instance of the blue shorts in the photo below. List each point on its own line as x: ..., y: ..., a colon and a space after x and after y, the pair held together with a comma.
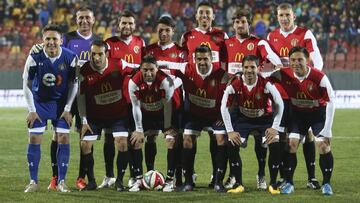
x: 195, y: 125
x: 51, y: 110
x: 302, y: 121
x: 244, y: 126
x: 119, y: 128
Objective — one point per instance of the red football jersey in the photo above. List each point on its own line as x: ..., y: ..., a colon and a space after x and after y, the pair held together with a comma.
x: 252, y: 103
x: 214, y: 39
x: 104, y: 92
x: 305, y: 95
x: 204, y: 95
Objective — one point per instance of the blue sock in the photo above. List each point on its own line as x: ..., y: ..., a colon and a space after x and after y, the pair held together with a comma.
x: 33, y: 156
x: 63, y: 157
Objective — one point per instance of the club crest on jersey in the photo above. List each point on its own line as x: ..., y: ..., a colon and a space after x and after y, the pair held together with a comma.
x: 173, y: 55
x: 136, y: 49
x: 294, y: 42
x: 231, y: 44
x: 250, y: 46
x: 61, y: 67
x: 212, y: 83
x: 310, y: 87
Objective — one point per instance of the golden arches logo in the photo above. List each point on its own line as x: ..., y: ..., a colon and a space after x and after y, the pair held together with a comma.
x: 206, y: 44
x: 149, y: 99
x: 249, y: 104
x: 284, y: 51
x: 129, y: 58
x: 201, y: 92
x: 301, y: 95
x: 239, y: 57
x: 106, y: 87
x: 84, y: 55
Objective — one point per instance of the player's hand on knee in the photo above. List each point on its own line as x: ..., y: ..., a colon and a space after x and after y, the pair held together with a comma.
x: 31, y: 118
x: 170, y: 132
x: 37, y: 48
x: 234, y: 138
x: 270, y: 135
x: 84, y: 129
x: 67, y: 116
x: 137, y: 138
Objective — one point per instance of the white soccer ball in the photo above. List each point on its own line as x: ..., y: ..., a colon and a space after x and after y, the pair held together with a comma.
x: 153, y: 180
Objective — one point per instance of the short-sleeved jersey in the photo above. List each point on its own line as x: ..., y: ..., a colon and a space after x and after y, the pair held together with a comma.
x: 104, y: 92
x: 79, y: 45
x: 50, y: 80
x: 204, y: 95
x: 305, y: 95
x: 252, y: 103
x: 236, y: 50
x: 214, y: 39
x: 150, y: 96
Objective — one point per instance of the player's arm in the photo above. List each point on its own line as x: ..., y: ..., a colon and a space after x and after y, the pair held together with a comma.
x: 138, y: 135
x: 81, y: 102
x: 268, y: 53
x: 28, y: 76
x: 314, y: 51
x: 234, y: 137
x: 173, y: 65
x: 330, y: 107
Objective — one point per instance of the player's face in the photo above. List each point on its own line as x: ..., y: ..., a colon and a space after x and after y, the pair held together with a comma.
x: 286, y: 18
x: 52, y: 41
x: 204, y: 17
x: 149, y: 71
x: 126, y: 26
x: 203, y: 62
x: 298, y: 63
x: 241, y: 26
x: 250, y: 70
x: 85, y: 21
x: 98, y: 57
x: 165, y: 33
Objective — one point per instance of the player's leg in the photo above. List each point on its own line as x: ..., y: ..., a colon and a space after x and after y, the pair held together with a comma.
x: 284, y: 141
x: 213, y: 151
x: 178, y: 154
x: 273, y: 164
x: 54, y: 166
x: 63, y: 156
x: 309, y: 155
x: 150, y: 151
x: 261, y: 152
x: 326, y: 164
x: 137, y: 164
x: 221, y: 161
x: 236, y: 165
x: 170, y: 145
x: 109, y: 154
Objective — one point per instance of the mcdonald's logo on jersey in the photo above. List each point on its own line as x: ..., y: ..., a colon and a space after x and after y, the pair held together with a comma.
x: 201, y: 92
x: 129, y: 58
x: 206, y: 44
x: 301, y: 95
x: 106, y: 87
x: 149, y: 99
x: 249, y: 104
x: 239, y: 57
x: 84, y: 55
x: 284, y: 51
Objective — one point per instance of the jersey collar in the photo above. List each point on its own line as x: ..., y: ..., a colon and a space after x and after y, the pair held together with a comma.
x: 305, y: 76
x: 84, y: 37
x: 168, y: 46
x: 103, y: 70
x: 127, y: 40
x: 285, y: 34
x: 52, y: 59
x: 203, y: 76
x: 204, y: 32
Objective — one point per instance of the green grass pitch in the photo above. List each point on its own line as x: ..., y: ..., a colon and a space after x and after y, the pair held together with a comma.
x: 14, y: 175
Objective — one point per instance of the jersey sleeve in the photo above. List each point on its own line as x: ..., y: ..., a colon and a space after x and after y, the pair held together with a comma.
x: 313, y: 49
x: 225, y: 108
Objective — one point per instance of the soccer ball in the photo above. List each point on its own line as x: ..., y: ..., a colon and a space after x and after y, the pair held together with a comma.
x: 153, y: 180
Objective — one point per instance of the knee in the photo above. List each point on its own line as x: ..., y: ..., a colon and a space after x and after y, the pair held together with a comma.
x: 121, y: 143
x: 170, y: 142
x: 34, y: 139
x: 293, y: 145
x: 63, y: 138
x: 85, y: 147
x: 220, y: 140
x: 324, y: 147
x: 187, y: 142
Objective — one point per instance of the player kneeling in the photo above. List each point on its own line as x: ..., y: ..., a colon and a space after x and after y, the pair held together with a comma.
x: 252, y: 93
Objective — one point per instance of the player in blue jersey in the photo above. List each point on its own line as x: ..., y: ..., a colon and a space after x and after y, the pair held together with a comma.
x: 50, y: 86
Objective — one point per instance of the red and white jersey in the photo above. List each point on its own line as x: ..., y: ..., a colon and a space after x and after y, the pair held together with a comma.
x: 282, y: 42
x: 254, y: 101
x: 148, y: 98
x: 130, y: 50
x: 236, y: 49
x: 204, y: 93
x: 214, y: 39
x: 104, y: 92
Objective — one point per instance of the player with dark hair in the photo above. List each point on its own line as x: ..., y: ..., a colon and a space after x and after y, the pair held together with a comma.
x: 50, y: 86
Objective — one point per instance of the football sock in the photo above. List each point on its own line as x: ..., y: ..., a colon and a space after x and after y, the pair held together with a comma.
x: 221, y: 164
x: 213, y: 152
x: 274, y: 157
x: 261, y: 156
x: 33, y: 156
x: 53, y: 154
x: 131, y: 161
x: 63, y: 160
x: 235, y: 162
x: 309, y: 154
x: 82, y: 168
x: 284, y: 154
x: 170, y: 163
x: 150, y: 153
x: 290, y: 169
x: 122, y: 162
x: 178, y: 166
x: 88, y: 160
x: 326, y: 165
x: 138, y: 158
x: 187, y: 165
x: 109, y: 154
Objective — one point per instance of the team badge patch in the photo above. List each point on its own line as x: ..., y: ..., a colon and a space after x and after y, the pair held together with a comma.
x: 250, y: 46
x: 294, y: 42
x: 136, y: 49
x: 310, y: 87
x: 173, y: 55
x: 212, y: 83
x: 61, y: 67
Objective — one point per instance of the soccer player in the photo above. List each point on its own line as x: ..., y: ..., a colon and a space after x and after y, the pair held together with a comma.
x: 281, y: 41
x: 128, y: 47
x: 150, y: 92
x: 102, y: 104
x: 167, y: 52
x: 206, y: 34
x: 238, y: 46
x: 50, y: 86
x: 253, y: 94
x: 204, y: 85
x: 312, y: 105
